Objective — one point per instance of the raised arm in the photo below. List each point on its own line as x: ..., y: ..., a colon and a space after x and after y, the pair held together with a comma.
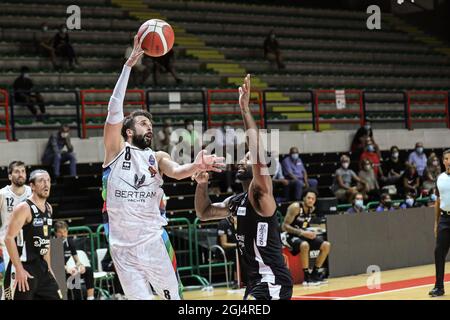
x: 261, y: 185
x: 204, y: 209
x: 112, y: 138
x: 203, y: 162
x: 20, y: 216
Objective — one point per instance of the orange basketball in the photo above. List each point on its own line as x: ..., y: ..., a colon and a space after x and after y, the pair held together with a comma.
x: 156, y: 37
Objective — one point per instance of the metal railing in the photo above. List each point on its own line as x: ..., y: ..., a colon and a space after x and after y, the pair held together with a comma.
x: 432, y: 107
x: 4, y: 104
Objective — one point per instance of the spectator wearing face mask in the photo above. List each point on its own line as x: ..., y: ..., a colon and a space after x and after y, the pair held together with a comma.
x: 44, y: 44
x: 63, y: 47
x: 24, y: 95
x: 55, y: 155
x: 385, y: 203
x: 432, y: 171
x: 293, y: 169
x: 410, y: 202
x: 163, y: 137
x: 367, y: 175
x: 346, y: 182
x: 418, y: 158
x: 372, y: 153
x: 359, y: 140
x: 410, y: 181
x: 357, y: 204
x: 394, y: 167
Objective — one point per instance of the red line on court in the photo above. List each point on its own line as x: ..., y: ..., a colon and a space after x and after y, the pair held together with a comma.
x: 357, y: 291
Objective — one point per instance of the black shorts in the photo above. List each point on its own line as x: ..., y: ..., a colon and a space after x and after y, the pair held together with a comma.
x: 268, y: 291
x: 43, y: 285
x: 295, y: 243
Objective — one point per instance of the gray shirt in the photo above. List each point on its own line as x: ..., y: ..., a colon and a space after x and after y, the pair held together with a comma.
x: 347, y: 176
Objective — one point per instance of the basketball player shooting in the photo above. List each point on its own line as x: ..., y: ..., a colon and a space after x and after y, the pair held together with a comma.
x: 132, y: 180
x: 259, y: 243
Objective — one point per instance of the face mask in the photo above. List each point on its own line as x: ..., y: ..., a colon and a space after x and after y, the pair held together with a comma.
x: 367, y: 167
x: 359, y: 203
x: 45, y: 29
x: 370, y: 148
x: 294, y: 156
x: 409, y: 202
x: 367, y: 127
x: 26, y: 75
x: 433, y: 197
x: 419, y: 150
x: 435, y: 163
x: 227, y: 128
x: 64, y: 30
x: 190, y: 127
x: 345, y: 165
x: 169, y: 130
x: 395, y: 155
x: 388, y: 203
x: 64, y: 134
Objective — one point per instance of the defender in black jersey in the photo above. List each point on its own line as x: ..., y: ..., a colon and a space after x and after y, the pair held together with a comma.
x: 28, y: 274
x: 258, y: 235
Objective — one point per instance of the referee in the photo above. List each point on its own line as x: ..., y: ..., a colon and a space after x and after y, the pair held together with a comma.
x: 442, y: 225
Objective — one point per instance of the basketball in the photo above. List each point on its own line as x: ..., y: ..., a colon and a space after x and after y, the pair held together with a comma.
x: 156, y: 37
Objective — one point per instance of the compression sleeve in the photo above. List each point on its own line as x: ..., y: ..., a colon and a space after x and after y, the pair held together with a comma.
x: 115, y: 106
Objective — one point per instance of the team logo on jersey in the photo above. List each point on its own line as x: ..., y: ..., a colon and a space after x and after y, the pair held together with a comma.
x: 38, y: 222
x: 45, y: 228
x: 152, y: 160
x: 126, y: 165
x: 138, y: 182
x: 262, y: 233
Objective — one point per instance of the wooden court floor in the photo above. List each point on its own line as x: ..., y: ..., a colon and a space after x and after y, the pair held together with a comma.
x: 401, y: 284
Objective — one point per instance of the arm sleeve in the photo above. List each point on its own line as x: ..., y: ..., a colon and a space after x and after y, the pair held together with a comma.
x: 72, y: 249
x: 115, y: 106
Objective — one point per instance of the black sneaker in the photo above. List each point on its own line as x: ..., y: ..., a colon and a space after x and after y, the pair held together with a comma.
x: 436, y: 292
x: 310, y: 280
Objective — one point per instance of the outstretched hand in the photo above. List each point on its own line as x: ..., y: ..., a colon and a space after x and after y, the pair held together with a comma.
x: 244, y: 94
x: 205, y: 162
x: 136, y: 53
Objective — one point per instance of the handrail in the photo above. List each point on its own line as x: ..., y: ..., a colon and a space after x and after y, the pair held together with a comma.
x: 5, y: 105
x: 84, y: 107
x: 431, y: 101
x: 91, y: 240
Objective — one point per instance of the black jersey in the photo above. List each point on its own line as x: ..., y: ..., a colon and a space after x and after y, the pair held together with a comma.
x: 33, y: 241
x: 259, y: 243
x: 302, y: 219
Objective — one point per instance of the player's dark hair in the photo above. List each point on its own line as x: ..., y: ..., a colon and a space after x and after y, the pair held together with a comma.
x: 128, y: 122
x: 14, y: 164
x: 310, y: 190
x: 61, y: 225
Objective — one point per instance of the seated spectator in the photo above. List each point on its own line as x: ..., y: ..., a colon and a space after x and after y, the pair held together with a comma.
x: 410, y: 202
x: 61, y: 231
x: 300, y: 239
x: 63, y: 47
x: 418, y: 158
x: 394, y: 167
x: 385, y: 203
x: 141, y: 70
x: 359, y: 140
x: 272, y: 50
x: 373, y: 154
x: 23, y: 86
x: 54, y: 154
x: 410, y: 180
x: 163, y: 139
x: 344, y: 186
x: 357, y: 204
x: 278, y: 180
x: 44, y: 44
x: 165, y: 63
x: 293, y: 169
x: 367, y: 175
x: 432, y: 171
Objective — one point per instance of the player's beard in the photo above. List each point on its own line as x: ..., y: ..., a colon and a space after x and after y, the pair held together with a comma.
x: 18, y: 182
x: 141, y: 141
